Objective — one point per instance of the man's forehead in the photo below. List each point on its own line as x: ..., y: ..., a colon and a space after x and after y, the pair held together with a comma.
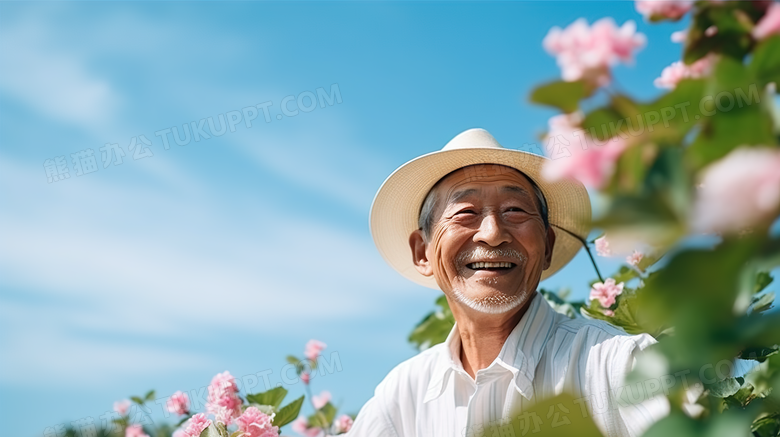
x: 509, y: 179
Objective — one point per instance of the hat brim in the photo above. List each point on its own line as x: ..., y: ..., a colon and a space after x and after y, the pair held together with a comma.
x: 396, y: 207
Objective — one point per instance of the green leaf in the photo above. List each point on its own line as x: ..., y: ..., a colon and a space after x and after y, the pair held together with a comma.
x: 763, y: 279
x: 742, y: 397
x: 137, y: 400
x: 292, y: 360
x: 222, y: 429
x: 759, y: 354
x: 323, y: 417
x: 288, y: 413
x: 602, y: 123
x: 236, y: 434
x: 673, y: 425
x: 734, y: 114
x: 273, y: 397
x: 767, y: 426
x: 211, y: 431
x: 562, y: 95
x: 725, y: 388
x: 668, y: 119
x: 149, y: 396
x: 763, y: 302
x: 561, y: 416
x: 434, y: 328
x: 765, y: 65
x: 733, y: 21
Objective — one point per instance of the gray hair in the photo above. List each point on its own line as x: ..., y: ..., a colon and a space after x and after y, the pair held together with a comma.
x: 425, y: 222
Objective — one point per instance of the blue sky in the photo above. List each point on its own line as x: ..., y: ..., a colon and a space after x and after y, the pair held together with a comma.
x: 231, y: 252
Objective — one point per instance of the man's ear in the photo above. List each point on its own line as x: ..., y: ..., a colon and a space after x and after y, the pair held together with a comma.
x: 548, y: 250
x: 419, y: 257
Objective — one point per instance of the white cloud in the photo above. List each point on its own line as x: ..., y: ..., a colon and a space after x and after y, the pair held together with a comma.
x: 318, y: 158
x: 179, y: 256
x: 46, y: 356
x: 51, y: 80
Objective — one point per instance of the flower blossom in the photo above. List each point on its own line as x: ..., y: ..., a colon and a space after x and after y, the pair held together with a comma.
x: 680, y: 36
x: 178, y: 403
x: 660, y: 9
x: 320, y: 400
x: 122, y: 407
x: 305, y: 377
x: 634, y: 258
x: 223, y: 401
x: 769, y: 24
x: 342, y: 424
x: 585, y: 52
x: 255, y: 423
x: 135, y: 431
x: 196, y: 425
x: 602, y: 246
x: 606, y: 292
x: 301, y: 426
x: 673, y: 74
x: 313, y: 349
x: 738, y: 191
x: 574, y: 154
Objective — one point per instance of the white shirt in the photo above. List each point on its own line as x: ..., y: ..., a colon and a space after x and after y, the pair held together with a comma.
x: 546, y: 354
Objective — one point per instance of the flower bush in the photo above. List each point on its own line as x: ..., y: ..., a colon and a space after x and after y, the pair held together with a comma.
x: 228, y: 414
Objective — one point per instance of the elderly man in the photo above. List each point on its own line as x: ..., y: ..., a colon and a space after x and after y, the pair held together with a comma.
x: 478, y: 222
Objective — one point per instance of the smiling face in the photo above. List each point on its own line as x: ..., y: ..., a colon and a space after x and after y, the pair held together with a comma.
x: 488, y: 244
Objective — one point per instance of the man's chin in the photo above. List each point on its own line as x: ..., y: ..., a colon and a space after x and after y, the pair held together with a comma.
x: 488, y: 299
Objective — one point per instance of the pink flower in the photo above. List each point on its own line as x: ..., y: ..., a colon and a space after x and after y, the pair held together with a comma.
x: 342, y: 424
x: 769, y: 24
x: 223, y: 401
x: 680, y: 36
x: 609, y: 313
x: 196, y: 425
x: 122, y: 407
x: 135, y: 431
x: 321, y: 400
x: 255, y: 423
x: 738, y: 191
x: 301, y: 426
x: 313, y: 349
x: 673, y: 74
x: 584, y: 161
x: 305, y: 377
x: 711, y: 31
x: 634, y: 258
x: 660, y: 9
x: 585, y: 52
x: 602, y: 246
x: 178, y: 403
x: 606, y: 292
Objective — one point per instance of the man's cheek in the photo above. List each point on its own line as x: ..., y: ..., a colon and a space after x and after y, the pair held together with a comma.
x: 439, y: 260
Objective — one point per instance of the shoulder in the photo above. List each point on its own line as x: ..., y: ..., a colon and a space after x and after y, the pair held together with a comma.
x: 603, y: 353
x: 598, y: 333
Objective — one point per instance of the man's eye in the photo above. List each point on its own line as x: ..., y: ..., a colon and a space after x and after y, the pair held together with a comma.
x: 515, y: 209
x: 466, y: 211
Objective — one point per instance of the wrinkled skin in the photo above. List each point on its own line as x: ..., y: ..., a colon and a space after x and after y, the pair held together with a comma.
x: 499, y: 221
x: 490, y: 218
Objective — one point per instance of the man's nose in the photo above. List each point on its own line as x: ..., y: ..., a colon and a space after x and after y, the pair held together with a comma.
x: 492, y: 232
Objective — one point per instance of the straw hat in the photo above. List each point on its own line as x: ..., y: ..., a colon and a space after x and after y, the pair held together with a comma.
x: 396, y: 208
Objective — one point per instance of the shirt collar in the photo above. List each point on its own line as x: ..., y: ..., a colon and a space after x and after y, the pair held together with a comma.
x: 520, y: 354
